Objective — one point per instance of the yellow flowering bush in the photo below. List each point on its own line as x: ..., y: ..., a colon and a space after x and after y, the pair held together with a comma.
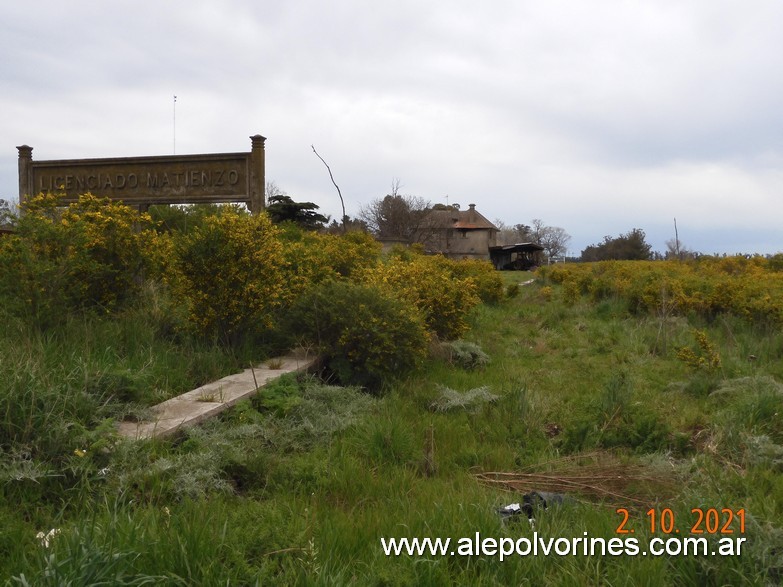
x: 545, y: 293
x: 365, y: 336
x: 428, y: 284
x: 228, y: 272
x: 489, y: 285
x: 751, y: 288
x: 92, y: 254
x: 311, y: 258
x: 705, y: 356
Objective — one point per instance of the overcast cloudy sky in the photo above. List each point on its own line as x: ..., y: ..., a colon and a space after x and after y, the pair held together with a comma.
x: 598, y: 117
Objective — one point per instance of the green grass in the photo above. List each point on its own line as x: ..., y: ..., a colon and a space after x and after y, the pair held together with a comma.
x: 298, y: 485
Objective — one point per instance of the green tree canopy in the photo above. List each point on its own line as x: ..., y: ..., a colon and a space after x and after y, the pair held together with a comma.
x: 630, y: 246
x: 282, y: 208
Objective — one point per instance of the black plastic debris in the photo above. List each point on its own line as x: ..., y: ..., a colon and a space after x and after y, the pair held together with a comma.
x: 531, y: 502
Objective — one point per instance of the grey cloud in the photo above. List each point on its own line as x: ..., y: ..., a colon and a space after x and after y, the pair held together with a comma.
x: 598, y: 117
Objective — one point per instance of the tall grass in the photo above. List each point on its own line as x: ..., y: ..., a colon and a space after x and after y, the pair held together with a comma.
x: 299, y: 485
x: 61, y: 389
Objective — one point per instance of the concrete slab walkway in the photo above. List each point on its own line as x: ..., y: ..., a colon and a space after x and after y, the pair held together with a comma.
x: 209, y: 400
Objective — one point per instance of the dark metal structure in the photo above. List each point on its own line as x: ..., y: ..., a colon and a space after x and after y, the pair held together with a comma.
x: 518, y: 257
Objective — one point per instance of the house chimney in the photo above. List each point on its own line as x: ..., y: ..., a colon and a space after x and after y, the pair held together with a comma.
x: 472, y: 206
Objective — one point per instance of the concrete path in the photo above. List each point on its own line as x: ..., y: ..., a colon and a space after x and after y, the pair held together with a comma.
x: 209, y: 400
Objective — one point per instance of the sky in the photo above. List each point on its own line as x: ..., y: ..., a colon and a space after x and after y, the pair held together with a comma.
x: 598, y: 117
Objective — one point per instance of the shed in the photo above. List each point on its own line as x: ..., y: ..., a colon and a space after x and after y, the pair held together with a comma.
x: 519, y: 257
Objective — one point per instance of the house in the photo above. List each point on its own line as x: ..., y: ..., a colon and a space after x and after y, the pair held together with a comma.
x: 459, y: 234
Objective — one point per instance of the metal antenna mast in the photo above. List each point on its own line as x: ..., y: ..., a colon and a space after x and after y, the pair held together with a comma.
x: 174, y: 126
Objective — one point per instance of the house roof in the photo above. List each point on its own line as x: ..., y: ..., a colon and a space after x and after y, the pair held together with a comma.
x: 470, y: 219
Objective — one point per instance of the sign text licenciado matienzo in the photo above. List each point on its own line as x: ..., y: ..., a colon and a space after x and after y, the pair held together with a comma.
x: 207, y: 178
x: 218, y: 178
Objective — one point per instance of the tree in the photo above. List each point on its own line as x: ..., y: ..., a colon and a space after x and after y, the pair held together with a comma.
x: 676, y: 250
x: 553, y: 238
x: 282, y: 208
x: 398, y: 216
x: 524, y: 233
x: 511, y: 235
x: 8, y: 215
x: 272, y: 190
x: 630, y: 246
x: 348, y: 225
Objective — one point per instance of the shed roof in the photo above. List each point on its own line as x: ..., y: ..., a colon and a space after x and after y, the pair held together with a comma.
x: 517, y: 248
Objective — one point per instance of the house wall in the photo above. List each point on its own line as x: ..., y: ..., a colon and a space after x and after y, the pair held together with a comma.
x: 388, y: 244
x: 467, y: 243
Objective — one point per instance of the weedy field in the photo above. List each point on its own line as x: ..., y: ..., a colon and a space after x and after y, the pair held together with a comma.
x: 653, y: 420
x: 299, y: 485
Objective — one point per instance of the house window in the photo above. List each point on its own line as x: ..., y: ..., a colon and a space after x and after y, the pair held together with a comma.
x: 464, y: 233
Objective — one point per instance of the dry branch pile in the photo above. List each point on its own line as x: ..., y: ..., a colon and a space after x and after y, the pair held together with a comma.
x: 595, y: 477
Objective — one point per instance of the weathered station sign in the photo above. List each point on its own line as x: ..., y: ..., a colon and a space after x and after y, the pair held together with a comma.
x: 143, y: 181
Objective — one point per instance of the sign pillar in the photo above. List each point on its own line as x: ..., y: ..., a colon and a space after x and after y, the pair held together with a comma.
x: 256, y: 175
x: 25, y: 173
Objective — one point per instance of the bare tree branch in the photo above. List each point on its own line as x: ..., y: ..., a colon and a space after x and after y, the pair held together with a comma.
x: 339, y: 193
